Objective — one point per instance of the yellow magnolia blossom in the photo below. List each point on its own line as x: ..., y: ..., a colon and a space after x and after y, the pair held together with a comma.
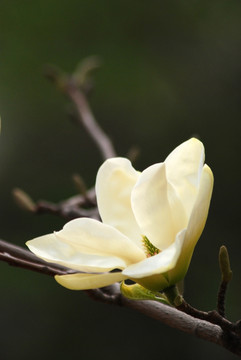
x: 151, y: 222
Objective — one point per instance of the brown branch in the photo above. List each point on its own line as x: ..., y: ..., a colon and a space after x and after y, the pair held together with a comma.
x: 202, y: 328
x: 42, y: 268
x: 221, y: 298
x: 68, y: 212
x: 16, y: 256
x: 178, y: 320
x: 74, y: 86
x: 171, y: 317
x: 83, y: 205
x: 212, y: 316
x: 88, y: 121
x: 89, y: 198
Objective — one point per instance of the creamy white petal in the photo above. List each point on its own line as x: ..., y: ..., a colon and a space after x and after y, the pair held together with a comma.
x: 52, y: 249
x: 196, y: 224
x: 114, y: 183
x: 157, y: 264
x: 200, y: 210
x: 88, y: 281
x: 184, y: 167
x: 90, y: 236
x: 157, y: 208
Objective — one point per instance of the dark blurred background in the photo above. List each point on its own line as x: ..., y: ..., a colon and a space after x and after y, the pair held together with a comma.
x: 171, y: 69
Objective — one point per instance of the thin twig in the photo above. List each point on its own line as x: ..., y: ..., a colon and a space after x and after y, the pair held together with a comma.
x: 41, y: 268
x: 66, y: 212
x: 212, y: 316
x: 17, y: 256
x: 89, y: 198
x: 221, y: 298
x: 87, y: 119
x: 83, y: 205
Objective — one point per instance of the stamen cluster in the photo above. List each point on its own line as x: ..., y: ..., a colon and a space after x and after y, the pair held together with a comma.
x: 150, y: 249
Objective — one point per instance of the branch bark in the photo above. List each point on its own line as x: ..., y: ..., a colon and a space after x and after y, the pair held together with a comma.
x: 177, y: 319
x: 68, y: 212
x: 16, y: 256
x: 87, y: 119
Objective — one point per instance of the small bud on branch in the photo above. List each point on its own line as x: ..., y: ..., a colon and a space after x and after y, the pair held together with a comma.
x: 24, y: 200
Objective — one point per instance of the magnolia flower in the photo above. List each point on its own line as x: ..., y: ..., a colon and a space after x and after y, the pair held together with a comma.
x: 151, y: 222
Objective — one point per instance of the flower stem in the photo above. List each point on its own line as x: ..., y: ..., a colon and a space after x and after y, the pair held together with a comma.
x: 173, y: 296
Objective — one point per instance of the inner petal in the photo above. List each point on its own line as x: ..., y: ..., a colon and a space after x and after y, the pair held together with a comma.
x: 184, y: 167
x: 158, y: 264
x: 157, y: 208
x: 114, y: 183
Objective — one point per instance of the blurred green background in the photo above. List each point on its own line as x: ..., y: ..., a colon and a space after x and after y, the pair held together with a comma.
x: 171, y: 69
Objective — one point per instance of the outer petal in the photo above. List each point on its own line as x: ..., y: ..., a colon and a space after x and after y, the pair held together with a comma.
x: 88, y: 281
x: 184, y: 167
x: 196, y: 224
x: 90, y: 236
x: 157, y: 208
x: 52, y: 249
x: 114, y: 183
x: 159, y: 263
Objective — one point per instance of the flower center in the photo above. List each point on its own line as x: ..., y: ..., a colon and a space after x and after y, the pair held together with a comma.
x: 149, y: 248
